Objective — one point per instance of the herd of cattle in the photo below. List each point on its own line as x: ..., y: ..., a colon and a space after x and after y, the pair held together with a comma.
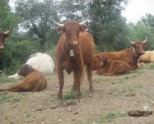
x: 75, y: 50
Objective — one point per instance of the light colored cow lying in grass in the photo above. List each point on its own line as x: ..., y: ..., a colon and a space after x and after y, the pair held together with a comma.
x: 147, y: 57
x: 39, y: 61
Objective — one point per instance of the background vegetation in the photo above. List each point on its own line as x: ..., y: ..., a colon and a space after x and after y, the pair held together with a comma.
x: 32, y: 29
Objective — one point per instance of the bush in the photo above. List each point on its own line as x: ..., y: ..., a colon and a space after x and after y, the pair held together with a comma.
x: 16, y: 53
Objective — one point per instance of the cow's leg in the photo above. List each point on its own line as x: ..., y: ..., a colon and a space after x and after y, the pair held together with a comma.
x: 89, y: 76
x: 61, y: 82
x: 74, y: 88
x: 77, y: 83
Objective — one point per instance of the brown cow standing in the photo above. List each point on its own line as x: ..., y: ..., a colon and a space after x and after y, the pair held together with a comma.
x: 3, y: 35
x: 74, y: 50
x: 130, y: 55
x: 109, y: 67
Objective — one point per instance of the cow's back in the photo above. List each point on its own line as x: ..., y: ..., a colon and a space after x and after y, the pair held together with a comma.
x: 87, y: 46
x: 119, y: 67
x: 35, y: 81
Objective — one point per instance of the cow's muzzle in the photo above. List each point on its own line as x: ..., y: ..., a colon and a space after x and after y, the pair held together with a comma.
x: 1, y: 48
x: 102, y: 64
x: 142, y: 52
x: 74, y: 43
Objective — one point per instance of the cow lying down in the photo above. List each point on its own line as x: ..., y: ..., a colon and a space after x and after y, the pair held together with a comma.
x: 109, y: 67
x: 129, y: 55
x: 34, y: 81
x: 147, y: 57
x: 39, y: 61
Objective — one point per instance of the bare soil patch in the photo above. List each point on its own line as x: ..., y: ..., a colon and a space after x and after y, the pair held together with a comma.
x: 113, y: 97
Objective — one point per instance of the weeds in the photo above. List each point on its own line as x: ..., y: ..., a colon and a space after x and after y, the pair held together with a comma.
x: 4, y: 79
x: 70, y: 95
x: 10, y: 97
x: 110, y: 117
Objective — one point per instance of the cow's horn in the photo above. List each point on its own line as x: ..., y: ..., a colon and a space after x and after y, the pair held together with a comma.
x: 84, y: 22
x: 132, y: 42
x: 58, y: 24
x: 6, y: 32
x: 145, y: 40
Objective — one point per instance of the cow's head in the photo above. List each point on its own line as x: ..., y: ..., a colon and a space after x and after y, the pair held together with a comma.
x: 139, y: 46
x: 25, y: 70
x: 3, y: 35
x: 99, y: 62
x: 72, y: 29
x: 102, y: 60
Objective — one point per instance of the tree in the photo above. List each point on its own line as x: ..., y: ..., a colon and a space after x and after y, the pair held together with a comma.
x: 107, y: 24
x: 7, y: 18
x: 36, y: 19
x: 140, y: 31
x: 149, y: 21
x: 73, y: 9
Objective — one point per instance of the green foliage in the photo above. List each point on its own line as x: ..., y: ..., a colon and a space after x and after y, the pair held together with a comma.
x: 148, y: 20
x: 7, y: 18
x: 16, y: 53
x: 36, y: 18
x: 139, y: 32
x: 108, y: 26
x: 73, y: 9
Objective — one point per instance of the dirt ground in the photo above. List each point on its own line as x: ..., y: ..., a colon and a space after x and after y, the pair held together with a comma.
x: 113, y: 97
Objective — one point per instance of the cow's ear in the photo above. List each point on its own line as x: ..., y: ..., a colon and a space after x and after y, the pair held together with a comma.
x: 61, y: 29
x: 83, y: 27
x: 145, y: 44
x: 97, y: 57
x: 107, y: 59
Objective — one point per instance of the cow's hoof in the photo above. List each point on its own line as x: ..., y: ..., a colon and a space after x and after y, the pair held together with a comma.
x: 90, y: 94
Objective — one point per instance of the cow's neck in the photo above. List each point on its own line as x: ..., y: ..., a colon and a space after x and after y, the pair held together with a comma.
x: 134, y: 52
x: 75, y: 54
x: 72, y: 52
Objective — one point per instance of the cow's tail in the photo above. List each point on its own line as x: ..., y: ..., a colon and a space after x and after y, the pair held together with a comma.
x: 15, y: 88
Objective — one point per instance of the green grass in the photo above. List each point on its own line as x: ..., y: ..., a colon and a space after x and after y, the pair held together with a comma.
x: 70, y: 95
x: 79, y: 122
x: 110, y: 117
x: 127, y: 90
x: 10, y: 97
x: 101, y: 80
x: 149, y: 66
x: 5, y: 79
x: 98, y: 80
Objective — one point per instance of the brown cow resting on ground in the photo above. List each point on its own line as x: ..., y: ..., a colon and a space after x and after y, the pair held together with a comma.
x: 34, y: 81
x: 74, y: 50
x: 109, y: 67
x: 3, y: 35
x: 130, y: 55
